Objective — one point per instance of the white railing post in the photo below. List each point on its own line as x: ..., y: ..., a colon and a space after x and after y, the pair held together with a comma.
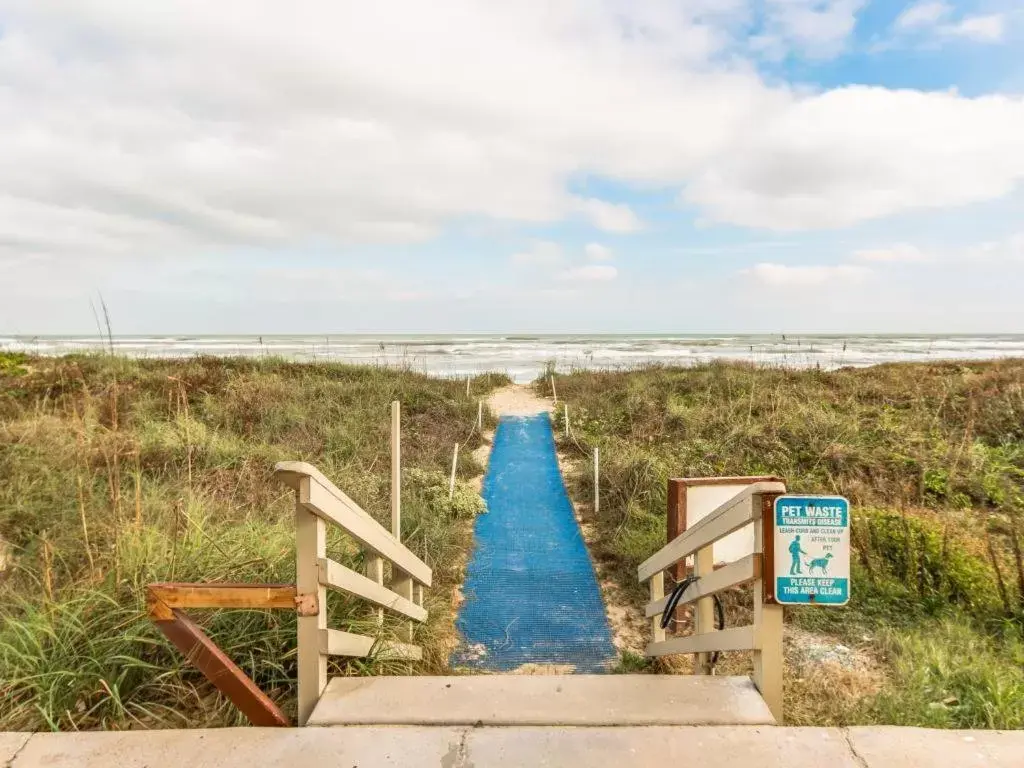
x: 768, y: 656
x: 657, y: 585
x: 704, y: 614
x: 310, y: 546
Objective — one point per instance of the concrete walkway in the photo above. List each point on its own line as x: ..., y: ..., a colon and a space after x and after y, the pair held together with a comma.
x: 369, y: 747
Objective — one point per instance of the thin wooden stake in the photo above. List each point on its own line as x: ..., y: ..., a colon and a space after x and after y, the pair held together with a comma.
x: 455, y: 462
x: 554, y: 392
x: 597, y: 479
x: 467, y: 386
x: 47, y: 570
x: 138, y: 494
x: 85, y: 526
x: 396, y: 469
x: 480, y: 415
x: 566, y: 413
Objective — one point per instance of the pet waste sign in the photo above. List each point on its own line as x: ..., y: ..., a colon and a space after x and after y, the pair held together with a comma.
x: 812, y: 550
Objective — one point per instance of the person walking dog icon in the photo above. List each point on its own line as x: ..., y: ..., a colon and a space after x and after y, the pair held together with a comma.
x: 796, y: 550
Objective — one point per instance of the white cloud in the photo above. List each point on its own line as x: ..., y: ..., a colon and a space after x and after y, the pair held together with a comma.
x: 139, y: 133
x: 610, y: 217
x: 208, y: 129
x: 598, y: 252
x: 1006, y: 250
x: 817, y: 29
x: 590, y: 273
x: 857, y: 153
x: 984, y: 29
x: 902, y: 252
x: 934, y: 18
x: 1009, y: 250
x: 543, y: 253
x: 924, y: 14
x: 784, y: 276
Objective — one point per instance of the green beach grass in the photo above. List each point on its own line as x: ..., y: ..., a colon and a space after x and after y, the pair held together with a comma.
x: 930, y: 455
x: 117, y: 472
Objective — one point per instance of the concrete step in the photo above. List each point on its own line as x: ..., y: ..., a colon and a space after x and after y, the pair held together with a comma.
x: 576, y: 700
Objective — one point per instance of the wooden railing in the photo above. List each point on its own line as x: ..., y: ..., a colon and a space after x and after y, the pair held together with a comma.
x: 750, y: 505
x: 317, y: 503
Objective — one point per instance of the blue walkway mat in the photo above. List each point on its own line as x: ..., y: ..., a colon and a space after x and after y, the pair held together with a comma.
x: 531, y: 594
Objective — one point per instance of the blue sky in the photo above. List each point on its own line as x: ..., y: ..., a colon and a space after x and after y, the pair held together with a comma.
x: 736, y: 165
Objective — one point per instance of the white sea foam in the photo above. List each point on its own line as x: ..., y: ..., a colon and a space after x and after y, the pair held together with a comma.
x: 525, y: 356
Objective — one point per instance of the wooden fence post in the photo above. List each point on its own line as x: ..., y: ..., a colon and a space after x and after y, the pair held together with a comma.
x: 676, y: 525
x: 704, y: 615
x: 479, y: 415
x: 657, y: 586
x: 455, y: 464
x: 396, y: 470
x: 554, y: 392
x: 768, y: 656
x: 597, y: 479
x: 565, y: 411
x: 310, y: 547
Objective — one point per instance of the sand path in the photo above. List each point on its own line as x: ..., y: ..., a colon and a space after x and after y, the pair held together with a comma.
x: 518, y: 400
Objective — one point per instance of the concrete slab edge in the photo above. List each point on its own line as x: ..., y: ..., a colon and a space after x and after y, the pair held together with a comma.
x: 858, y: 747
x: 11, y: 745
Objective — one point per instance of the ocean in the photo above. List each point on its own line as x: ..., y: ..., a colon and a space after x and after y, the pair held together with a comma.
x: 523, y: 357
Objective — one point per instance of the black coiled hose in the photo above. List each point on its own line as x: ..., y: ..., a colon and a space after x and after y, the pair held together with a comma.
x: 673, y: 601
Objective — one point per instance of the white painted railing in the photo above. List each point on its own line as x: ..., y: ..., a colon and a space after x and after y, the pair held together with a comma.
x: 750, y: 505
x: 317, y: 503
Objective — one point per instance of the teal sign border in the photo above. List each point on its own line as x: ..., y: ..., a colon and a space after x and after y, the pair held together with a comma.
x: 812, y: 567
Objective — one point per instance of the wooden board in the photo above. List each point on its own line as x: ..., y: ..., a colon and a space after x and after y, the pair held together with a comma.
x: 337, y: 576
x: 731, y: 575
x: 333, y: 506
x: 222, y: 595
x: 335, y: 642
x: 735, y: 639
x: 729, y: 516
x: 228, y: 678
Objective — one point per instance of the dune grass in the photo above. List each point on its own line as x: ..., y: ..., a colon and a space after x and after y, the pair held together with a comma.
x: 931, y: 456
x: 115, y: 473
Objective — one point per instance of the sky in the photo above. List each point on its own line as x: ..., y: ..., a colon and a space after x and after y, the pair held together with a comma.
x: 245, y: 166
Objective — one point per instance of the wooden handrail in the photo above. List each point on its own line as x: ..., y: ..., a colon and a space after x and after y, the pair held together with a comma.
x: 334, y: 575
x: 726, y: 518
x: 733, y: 639
x: 318, y: 502
x: 726, y: 577
x: 334, y: 642
x: 751, y: 504
x: 319, y: 496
